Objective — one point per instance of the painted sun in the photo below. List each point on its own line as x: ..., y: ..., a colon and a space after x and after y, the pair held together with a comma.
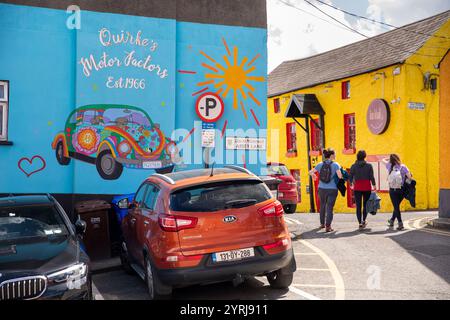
x: 232, y: 76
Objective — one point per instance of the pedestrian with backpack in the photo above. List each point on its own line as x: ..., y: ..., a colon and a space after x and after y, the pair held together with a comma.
x: 328, y: 190
x: 362, y: 181
x: 398, y: 173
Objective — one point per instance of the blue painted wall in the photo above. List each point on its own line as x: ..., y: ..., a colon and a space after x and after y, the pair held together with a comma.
x: 41, y: 57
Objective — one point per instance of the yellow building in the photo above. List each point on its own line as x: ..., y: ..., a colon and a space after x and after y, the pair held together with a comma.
x: 380, y: 94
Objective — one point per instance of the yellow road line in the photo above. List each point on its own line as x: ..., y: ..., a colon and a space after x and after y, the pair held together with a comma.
x: 338, y: 280
x: 313, y: 285
x: 303, y: 293
x: 312, y: 269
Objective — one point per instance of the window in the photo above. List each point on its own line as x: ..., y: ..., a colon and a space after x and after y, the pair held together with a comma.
x: 291, y: 138
x: 349, y: 133
x: 150, y: 199
x: 345, y: 90
x: 380, y: 171
x: 4, y: 101
x: 219, y: 196
x: 316, y: 136
x: 276, y: 105
x: 139, y: 197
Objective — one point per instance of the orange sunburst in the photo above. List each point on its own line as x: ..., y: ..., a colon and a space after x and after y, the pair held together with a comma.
x: 232, y: 76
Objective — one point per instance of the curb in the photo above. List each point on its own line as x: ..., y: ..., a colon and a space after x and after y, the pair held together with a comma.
x: 440, y: 223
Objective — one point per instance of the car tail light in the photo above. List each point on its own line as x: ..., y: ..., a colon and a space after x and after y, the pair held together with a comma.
x: 176, y: 223
x: 275, y: 209
x: 278, y: 246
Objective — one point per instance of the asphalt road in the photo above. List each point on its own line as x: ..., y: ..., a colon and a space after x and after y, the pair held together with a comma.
x: 377, y: 263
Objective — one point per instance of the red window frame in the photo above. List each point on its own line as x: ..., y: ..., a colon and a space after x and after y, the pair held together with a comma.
x: 345, y: 90
x: 291, y: 139
x: 316, y: 136
x: 349, y: 133
x: 276, y: 105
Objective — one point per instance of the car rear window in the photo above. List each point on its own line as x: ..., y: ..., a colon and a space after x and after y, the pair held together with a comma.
x: 219, y: 196
x: 21, y: 223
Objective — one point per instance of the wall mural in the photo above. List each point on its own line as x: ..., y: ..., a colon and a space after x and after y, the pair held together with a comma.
x: 29, y: 166
x: 113, y: 137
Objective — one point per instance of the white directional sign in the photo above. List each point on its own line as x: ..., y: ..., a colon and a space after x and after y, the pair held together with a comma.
x: 209, y: 107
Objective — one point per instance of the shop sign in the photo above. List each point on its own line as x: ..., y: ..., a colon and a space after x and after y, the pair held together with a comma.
x: 416, y: 105
x: 209, y: 107
x: 236, y: 143
x: 208, y: 135
x: 378, y: 116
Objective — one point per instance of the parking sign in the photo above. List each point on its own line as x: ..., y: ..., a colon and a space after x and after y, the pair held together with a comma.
x: 209, y: 107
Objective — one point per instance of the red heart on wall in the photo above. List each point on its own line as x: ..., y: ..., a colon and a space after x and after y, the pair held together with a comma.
x: 39, y: 165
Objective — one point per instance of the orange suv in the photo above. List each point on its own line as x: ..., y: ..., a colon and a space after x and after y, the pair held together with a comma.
x: 205, y: 226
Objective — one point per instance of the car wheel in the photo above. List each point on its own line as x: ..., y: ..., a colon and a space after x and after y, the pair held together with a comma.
x: 60, y: 155
x: 107, y: 166
x: 125, y: 260
x: 156, y: 289
x: 277, y: 280
x: 290, y: 208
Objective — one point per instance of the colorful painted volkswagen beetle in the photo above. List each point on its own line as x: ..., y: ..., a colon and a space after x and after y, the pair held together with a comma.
x: 113, y: 137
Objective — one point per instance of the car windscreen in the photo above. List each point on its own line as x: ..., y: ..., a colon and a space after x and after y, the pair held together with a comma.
x: 278, y: 170
x: 23, y: 223
x: 219, y: 196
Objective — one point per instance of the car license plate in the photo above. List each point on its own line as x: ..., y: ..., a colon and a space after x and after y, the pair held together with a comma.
x: 233, y: 255
x: 152, y: 165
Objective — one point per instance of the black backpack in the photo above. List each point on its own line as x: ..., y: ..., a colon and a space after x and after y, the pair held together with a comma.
x: 325, y: 172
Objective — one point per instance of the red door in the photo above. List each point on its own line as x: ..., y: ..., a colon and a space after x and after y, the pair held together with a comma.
x: 316, y: 192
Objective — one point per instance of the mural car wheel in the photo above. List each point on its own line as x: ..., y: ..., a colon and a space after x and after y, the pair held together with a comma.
x: 107, y: 166
x: 62, y: 160
x: 290, y: 208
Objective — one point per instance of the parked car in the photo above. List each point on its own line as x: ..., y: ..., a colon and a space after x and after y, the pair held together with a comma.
x: 40, y: 255
x: 120, y: 205
x: 113, y: 137
x: 205, y: 226
x: 287, y: 190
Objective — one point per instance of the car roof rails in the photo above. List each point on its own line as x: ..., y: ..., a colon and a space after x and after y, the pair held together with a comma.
x: 164, y: 178
x: 240, y: 169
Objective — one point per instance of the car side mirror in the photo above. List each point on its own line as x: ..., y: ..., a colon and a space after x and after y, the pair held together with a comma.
x: 80, y: 227
x: 123, y: 204
x: 132, y: 205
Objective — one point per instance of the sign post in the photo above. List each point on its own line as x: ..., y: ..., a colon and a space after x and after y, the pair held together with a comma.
x: 210, y: 109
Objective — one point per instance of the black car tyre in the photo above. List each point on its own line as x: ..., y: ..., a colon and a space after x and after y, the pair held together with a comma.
x: 59, y: 151
x: 156, y: 289
x: 290, y: 208
x: 277, y: 280
x: 125, y: 260
x: 107, y: 166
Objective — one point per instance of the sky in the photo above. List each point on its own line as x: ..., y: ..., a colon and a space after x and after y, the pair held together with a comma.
x: 299, y: 33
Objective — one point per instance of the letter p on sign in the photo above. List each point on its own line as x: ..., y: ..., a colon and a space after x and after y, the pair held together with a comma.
x: 209, y: 107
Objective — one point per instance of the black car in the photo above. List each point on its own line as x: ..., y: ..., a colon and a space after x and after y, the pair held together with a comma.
x: 41, y: 255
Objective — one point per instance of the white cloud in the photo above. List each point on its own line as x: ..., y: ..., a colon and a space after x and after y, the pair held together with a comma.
x: 295, y: 34
x: 399, y: 13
